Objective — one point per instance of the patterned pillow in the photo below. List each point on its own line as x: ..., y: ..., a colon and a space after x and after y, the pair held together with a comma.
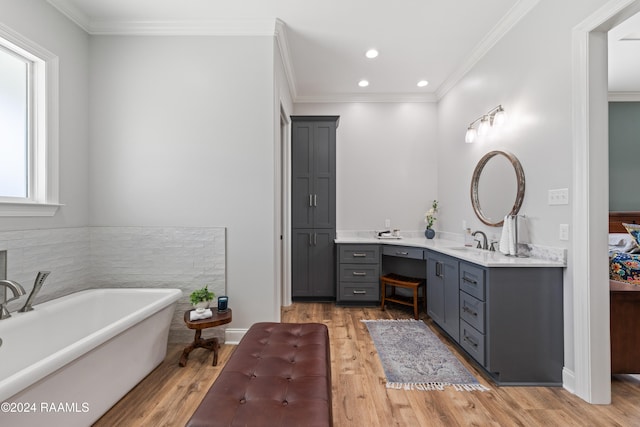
x: 625, y: 268
x: 634, y: 230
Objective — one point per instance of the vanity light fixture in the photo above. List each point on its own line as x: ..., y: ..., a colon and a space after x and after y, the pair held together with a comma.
x: 363, y: 83
x: 484, y: 123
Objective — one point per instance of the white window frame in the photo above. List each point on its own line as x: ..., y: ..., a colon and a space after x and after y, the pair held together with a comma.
x: 43, y: 132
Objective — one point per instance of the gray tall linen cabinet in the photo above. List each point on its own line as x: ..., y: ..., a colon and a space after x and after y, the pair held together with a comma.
x: 313, y: 207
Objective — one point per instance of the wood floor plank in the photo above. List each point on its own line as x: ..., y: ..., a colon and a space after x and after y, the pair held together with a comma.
x: 170, y: 394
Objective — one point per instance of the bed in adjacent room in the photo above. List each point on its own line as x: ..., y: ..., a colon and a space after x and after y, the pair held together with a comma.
x: 624, y: 289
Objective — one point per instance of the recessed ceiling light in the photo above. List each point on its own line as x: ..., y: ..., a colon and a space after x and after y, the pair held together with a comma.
x: 371, y: 53
x: 422, y: 83
x: 363, y: 83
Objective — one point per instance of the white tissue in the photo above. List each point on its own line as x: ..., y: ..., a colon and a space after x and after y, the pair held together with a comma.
x: 194, y: 315
x: 505, y: 236
x: 508, y: 238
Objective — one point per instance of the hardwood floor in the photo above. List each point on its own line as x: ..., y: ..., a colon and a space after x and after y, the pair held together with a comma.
x: 169, y: 395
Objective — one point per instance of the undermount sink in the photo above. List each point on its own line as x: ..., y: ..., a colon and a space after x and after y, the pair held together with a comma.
x: 465, y: 249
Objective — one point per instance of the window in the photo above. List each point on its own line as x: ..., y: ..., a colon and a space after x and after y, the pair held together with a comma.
x: 28, y: 127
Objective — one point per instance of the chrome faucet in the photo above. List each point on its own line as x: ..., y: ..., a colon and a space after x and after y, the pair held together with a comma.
x: 37, y: 285
x: 484, y: 244
x: 17, y: 291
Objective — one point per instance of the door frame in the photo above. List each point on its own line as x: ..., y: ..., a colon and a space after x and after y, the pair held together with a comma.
x: 591, y: 378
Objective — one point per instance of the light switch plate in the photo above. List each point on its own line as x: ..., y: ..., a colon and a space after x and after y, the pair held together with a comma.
x: 564, y: 231
x: 387, y: 223
x: 559, y: 196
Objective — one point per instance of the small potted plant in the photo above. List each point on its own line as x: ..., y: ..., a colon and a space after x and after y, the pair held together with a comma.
x: 200, y: 298
x: 430, y: 218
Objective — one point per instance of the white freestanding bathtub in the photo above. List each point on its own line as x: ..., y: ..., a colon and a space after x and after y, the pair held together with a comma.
x: 70, y: 359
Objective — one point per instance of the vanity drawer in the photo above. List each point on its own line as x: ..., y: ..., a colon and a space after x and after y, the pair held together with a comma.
x: 360, y: 291
x: 472, y: 280
x: 472, y: 311
x: 403, y: 252
x: 359, y: 273
x: 360, y: 254
x: 472, y: 341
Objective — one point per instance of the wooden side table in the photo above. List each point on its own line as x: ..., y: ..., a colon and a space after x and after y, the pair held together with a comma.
x: 212, y: 344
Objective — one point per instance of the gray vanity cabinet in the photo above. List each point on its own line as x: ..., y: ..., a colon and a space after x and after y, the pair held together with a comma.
x: 443, y: 296
x: 358, y: 274
x: 313, y: 206
x: 511, y: 322
x: 508, y: 319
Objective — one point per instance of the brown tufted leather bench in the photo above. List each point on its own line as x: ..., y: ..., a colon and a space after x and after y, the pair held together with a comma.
x: 279, y: 375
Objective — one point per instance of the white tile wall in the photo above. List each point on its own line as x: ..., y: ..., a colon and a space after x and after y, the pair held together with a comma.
x: 90, y: 257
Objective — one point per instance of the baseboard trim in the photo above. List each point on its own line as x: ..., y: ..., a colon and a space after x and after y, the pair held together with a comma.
x: 233, y: 335
x: 569, y: 380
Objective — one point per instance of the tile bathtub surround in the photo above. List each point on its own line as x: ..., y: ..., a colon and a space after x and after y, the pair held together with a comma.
x: 166, y: 257
x: 63, y: 251
x: 89, y: 257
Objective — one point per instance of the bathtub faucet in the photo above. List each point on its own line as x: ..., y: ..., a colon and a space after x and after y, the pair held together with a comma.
x: 16, y: 289
x: 40, y: 278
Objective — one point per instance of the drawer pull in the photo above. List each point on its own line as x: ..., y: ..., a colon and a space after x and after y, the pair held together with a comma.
x: 473, y: 282
x: 402, y: 253
x: 468, y: 310
x: 359, y: 292
x: 359, y: 255
x: 470, y: 342
x: 359, y: 273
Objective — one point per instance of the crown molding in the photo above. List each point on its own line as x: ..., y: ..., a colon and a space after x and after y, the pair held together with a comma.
x: 285, y: 55
x: 165, y: 28
x: 73, y: 12
x: 184, y: 28
x: 366, y: 97
x: 624, y: 96
x: 508, y: 21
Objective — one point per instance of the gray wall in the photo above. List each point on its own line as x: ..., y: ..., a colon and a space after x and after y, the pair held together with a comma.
x: 624, y: 156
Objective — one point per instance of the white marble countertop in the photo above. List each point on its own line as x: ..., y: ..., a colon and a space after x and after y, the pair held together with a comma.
x: 457, y: 250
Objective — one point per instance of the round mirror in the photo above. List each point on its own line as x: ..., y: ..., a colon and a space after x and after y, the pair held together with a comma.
x: 497, y: 187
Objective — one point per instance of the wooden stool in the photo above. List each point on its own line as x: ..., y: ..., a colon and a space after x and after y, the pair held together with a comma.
x: 396, y: 280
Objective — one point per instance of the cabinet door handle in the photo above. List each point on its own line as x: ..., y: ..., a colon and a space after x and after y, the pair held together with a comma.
x: 315, y: 200
x: 470, y: 342
x: 468, y: 310
x: 402, y: 253
x: 359, y: 273
x: 359, y: 292
x: 315, y: 239
x: 359, y: 255
x: 470, y: 281
x: 310, y: 240
x: 310, y: 200
x: 438, y: 269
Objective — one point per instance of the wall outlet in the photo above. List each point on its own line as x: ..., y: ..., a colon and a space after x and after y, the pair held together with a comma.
x: 564, y: 231
x: 387, y: 223
x: 559, y: 196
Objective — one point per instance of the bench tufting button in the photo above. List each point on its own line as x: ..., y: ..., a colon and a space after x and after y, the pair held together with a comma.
x: 243, y: 400
x: 285, y: 403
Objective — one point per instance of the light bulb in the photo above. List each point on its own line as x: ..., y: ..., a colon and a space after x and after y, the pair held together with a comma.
x: 500, y: 117
x: 484, y: 126
x: 371, y: 53
x: 471, y: 135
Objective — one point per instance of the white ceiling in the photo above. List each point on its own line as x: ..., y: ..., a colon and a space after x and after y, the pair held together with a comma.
x: 325, y: 41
